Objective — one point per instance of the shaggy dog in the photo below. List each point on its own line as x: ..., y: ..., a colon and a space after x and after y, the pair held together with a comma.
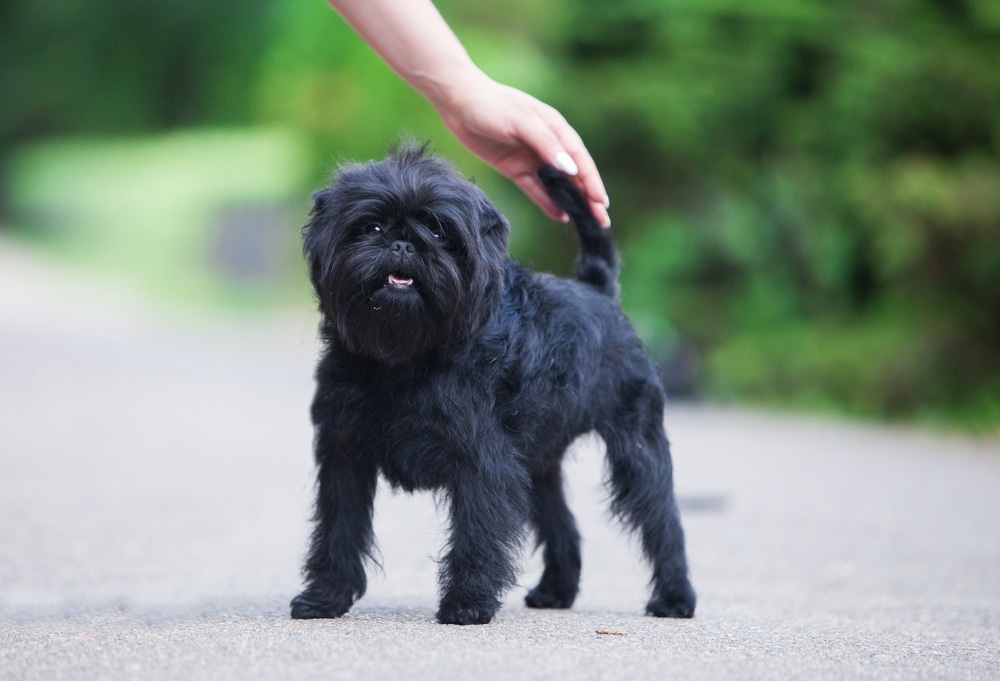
x: 447, y: 366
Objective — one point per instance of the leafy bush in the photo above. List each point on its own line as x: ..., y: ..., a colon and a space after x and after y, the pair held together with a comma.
x: 807, y: 192
x: 810, y: 191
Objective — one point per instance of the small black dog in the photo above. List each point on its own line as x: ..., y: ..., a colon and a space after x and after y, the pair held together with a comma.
x: 447, y: 366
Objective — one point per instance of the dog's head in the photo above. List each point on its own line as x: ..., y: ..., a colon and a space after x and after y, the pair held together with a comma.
x: 405, y: 255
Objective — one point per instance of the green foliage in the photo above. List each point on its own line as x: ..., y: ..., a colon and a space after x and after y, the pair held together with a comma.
x: 809, y: 191
x: 125, y: 66
x: 320, y: 78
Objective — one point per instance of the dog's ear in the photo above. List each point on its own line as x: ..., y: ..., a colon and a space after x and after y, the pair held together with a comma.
x: 494, y: 230
x: 319, y: 199
x: 485, y: 280
x: 316, y: 241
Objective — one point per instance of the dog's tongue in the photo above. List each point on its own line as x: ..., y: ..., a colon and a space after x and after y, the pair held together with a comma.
x: 399, y: 281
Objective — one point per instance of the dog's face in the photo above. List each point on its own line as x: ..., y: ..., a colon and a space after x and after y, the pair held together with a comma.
x: 405, y: 256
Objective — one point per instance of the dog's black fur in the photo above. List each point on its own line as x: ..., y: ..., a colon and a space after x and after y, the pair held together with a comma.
x: 450, y: 367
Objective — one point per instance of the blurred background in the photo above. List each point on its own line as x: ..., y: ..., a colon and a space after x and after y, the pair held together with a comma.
x: 806, y: 194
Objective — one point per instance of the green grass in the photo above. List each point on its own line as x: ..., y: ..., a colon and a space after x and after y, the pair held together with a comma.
x: 148, y: 211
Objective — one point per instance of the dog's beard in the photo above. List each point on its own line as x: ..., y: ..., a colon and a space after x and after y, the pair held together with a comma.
x: 405, y: 256
x: 390, y: 309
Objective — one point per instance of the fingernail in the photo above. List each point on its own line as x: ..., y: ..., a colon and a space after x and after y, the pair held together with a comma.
x: 607, y: 202
x: 566, y: 164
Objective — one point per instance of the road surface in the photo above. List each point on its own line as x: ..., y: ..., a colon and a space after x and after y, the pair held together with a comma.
x: 155, y: 484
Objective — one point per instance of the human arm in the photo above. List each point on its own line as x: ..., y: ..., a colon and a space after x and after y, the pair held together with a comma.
x: 507, y: 128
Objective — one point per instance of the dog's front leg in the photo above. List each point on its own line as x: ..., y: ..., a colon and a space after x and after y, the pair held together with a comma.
x: 489, y: 508
x: 342, y: 538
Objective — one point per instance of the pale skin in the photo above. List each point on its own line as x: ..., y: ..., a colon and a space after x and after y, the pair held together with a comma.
x: 509, y: 129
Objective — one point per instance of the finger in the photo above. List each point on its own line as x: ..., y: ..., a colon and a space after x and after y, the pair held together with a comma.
x: 601, y: 213
x: 535, y: 190
x: 532, y: 186
x: 539, y: 132
x: 587, y: 173
x: 561, y: 146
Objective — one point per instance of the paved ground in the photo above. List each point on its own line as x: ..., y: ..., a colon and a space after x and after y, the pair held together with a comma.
x: 155, y: 484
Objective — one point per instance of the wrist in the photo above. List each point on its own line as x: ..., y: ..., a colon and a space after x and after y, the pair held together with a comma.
x: 446, y: 87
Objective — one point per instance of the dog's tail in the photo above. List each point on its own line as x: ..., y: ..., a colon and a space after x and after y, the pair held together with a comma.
x: 597, y: 263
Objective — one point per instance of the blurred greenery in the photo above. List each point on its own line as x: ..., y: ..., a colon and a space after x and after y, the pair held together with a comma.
x: 806, y: 194
x: 197, y: 217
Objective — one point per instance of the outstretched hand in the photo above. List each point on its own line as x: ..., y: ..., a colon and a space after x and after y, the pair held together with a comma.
x: 516, y: 134
x: 509, y: 129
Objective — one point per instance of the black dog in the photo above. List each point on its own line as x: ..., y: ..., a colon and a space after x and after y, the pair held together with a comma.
x: 447, y: 366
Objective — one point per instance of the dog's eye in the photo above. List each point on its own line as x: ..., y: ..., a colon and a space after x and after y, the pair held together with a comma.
x: 438, y: 235
x: 374, y: 229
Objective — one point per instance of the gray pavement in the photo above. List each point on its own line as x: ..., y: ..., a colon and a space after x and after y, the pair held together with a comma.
x: 155, y: 482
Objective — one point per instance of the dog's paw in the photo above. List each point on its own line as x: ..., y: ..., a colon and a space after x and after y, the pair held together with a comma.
x: 543, y: 597
x: 680, y: 606
x: 310, y: 605
x: 462, y: 613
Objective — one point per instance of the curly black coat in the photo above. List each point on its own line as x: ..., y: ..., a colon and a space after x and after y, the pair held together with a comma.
x: 448, y: 366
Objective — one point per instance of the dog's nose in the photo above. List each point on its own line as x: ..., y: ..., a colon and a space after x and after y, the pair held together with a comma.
x: 402, y: 247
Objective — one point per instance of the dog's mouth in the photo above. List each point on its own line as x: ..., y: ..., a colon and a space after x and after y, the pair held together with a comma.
x: 399, y: 282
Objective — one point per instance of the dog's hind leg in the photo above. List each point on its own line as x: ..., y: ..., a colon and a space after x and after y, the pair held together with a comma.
x: 560, y: 542
x: 640, y: 474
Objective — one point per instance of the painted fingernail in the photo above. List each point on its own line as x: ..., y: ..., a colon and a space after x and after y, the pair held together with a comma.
x: 566, y: 164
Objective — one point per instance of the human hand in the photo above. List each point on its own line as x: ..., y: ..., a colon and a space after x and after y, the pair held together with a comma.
x: 516, y: 134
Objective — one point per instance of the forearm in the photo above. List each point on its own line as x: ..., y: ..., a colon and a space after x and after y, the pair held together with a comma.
x: 413, y: 39
x: 509, y: 129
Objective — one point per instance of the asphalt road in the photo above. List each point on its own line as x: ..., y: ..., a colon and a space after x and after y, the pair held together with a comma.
x: 155, y: 483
